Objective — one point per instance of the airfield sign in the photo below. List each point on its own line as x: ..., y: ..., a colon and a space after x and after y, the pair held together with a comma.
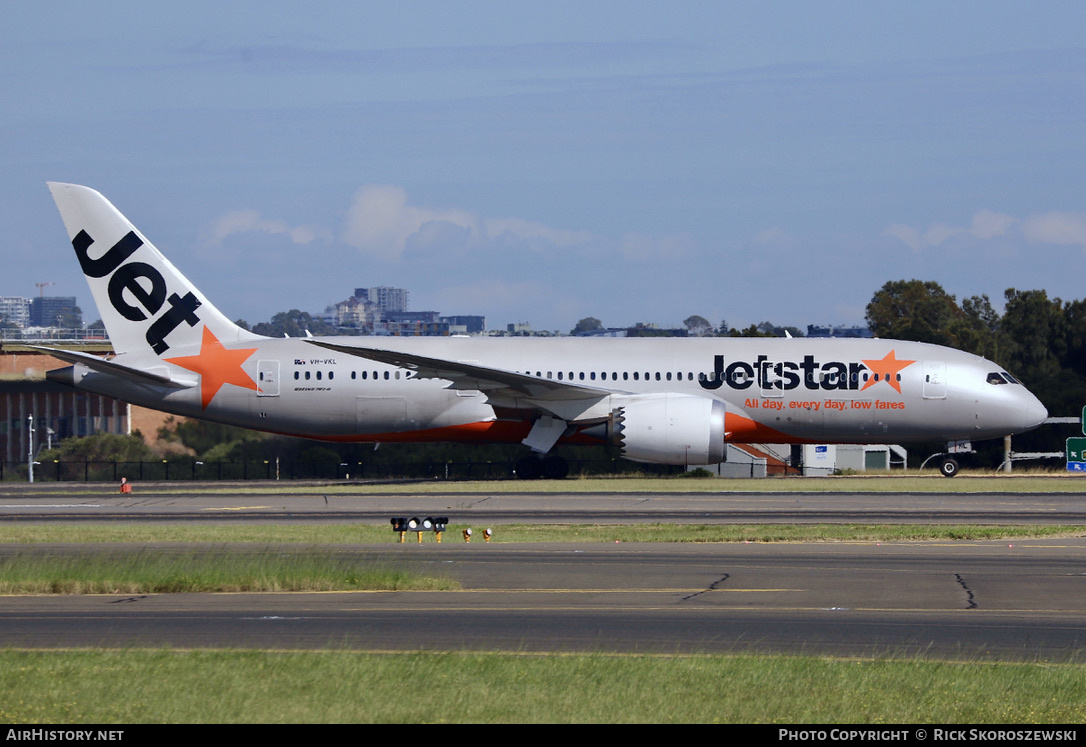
x: 1076, y: 454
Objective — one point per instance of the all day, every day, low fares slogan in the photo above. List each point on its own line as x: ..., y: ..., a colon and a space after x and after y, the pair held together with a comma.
x: 774, y: 378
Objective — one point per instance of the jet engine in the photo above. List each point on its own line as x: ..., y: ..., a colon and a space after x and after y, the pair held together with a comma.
x: 669, y: 429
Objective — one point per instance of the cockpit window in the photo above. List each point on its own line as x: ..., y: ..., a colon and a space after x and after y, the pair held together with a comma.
x: 995, y: 378
x: 1010, y: 378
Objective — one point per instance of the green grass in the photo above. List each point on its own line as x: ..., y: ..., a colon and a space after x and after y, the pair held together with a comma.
x: 134, y: 687
x: 355, y: 534
x: 158, y: 571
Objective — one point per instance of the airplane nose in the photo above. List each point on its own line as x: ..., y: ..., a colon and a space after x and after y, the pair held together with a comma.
x: 1033, y: 412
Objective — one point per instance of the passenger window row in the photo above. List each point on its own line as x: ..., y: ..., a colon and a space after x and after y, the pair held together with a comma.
x: 364, y: 375
x: 614, y: 376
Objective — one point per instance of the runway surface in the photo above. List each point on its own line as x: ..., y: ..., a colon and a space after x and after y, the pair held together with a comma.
x: 148, y: 503
x: 975, y: 600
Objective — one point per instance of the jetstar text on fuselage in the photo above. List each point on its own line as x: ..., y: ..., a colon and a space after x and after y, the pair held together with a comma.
x: 808, y: 373
x: 128, y: 277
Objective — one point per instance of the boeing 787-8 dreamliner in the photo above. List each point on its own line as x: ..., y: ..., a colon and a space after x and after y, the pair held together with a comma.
x: 661, y: 400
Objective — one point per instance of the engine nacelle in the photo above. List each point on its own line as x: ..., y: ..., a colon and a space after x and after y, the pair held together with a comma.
x: 670, y: 429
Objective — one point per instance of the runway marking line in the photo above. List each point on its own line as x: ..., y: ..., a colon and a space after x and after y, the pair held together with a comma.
x: 235, y: 508
x: 625, y: 591
x: 52, y: 505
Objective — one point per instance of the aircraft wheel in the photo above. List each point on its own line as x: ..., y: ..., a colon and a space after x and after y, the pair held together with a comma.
x: 555, y: 468
x: 949, y: 467
x: 529, y: 468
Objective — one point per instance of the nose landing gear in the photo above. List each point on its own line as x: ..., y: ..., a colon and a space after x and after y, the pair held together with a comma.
x: 949, y: 467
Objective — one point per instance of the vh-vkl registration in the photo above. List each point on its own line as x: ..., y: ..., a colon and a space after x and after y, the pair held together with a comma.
x: 661, y: 400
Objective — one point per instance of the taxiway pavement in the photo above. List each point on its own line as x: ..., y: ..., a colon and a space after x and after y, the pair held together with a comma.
x: 966, y: 599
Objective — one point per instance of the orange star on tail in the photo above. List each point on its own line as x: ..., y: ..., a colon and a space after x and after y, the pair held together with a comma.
x: 886, y: 370
x: 217, y: 366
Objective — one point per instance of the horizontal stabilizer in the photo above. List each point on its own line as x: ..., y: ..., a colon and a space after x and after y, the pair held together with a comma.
x: 111, y: 368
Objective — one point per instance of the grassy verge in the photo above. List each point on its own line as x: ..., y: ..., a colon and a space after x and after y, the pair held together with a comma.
x: 132, y: 687
x: 346, y: 534
x: 255, y: 564
x: 147, y: 572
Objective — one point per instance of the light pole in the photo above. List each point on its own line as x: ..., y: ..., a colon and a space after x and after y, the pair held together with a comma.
x: 30, y: 447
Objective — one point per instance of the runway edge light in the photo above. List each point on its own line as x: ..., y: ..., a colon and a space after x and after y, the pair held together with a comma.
x: 399, y: 524
x: 436, y: 524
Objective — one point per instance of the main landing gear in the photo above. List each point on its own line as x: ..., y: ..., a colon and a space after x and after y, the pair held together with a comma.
x: 536, y: 466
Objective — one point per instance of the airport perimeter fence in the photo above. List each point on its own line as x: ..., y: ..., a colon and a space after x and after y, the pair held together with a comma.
x: 189, y: 470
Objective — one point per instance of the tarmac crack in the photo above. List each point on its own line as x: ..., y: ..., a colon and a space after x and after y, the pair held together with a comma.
x: 715, y: 586
x: 971, y: 602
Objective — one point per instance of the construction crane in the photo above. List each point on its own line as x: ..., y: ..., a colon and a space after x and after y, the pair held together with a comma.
x: 41, y: 288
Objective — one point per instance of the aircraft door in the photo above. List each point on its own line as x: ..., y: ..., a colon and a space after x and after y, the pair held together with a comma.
x: 770, y: 379
x: 267, y: 373
x: 934, y: 380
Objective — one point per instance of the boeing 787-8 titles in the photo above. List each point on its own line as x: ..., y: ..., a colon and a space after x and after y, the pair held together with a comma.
x: 662, y: 400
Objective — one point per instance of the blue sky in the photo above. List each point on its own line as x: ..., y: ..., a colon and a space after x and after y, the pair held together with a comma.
x: 543, y: 162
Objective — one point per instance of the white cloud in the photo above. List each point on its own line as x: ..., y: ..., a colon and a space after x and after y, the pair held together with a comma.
x: 985, y: 225
x: 496, y: 228
x: 1051, y: 228
x: 906, y: 235
x: 1056, y: 228
x: 988, y: 224
x: 243, y: 221
x: 382, y: 223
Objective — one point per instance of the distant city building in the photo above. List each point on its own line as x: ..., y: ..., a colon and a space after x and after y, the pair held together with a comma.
x: 15, y: 311
x: 411, y: 317
x: 466, y: 325
x: 418, y: 329
x: 415, y: 324
x: 387, y: 299
x: 55, y: 311
x: 382, y: 310
x: 638, y: 330
x: 611, y: 332
x: 655, y: 330
x: 354, y: 313
x: 815, y: 330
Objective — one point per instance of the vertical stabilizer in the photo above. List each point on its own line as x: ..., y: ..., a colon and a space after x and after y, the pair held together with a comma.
x: 146, y: 304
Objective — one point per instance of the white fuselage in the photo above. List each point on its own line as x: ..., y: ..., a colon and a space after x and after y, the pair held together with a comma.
x: 774, y: 390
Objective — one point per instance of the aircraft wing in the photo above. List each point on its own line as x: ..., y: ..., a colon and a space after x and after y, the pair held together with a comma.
x: 102, y: 365
x: 468, y: 375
